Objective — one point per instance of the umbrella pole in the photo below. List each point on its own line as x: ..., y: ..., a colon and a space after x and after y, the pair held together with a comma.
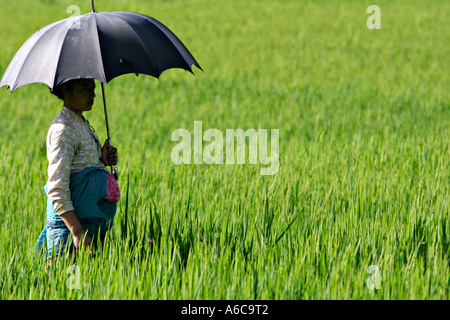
x: 113, y: 169
x: 106, y: 113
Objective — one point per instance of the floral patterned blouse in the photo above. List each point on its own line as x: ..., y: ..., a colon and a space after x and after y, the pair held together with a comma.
x: 72, y: 146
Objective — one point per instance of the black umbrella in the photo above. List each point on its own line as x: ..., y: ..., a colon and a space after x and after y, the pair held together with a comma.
x: 97, y: 45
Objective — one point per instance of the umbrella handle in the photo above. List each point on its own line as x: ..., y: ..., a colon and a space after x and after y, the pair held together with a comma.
x: 115, y: 172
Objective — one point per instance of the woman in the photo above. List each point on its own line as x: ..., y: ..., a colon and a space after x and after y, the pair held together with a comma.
x: 82, y: 194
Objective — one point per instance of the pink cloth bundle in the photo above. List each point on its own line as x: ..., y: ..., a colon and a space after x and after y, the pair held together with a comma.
x: 112, y: 188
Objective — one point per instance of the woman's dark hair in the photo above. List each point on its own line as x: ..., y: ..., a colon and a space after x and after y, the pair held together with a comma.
x: 58, y: 91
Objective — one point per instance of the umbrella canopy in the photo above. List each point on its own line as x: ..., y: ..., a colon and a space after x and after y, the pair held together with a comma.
x: 97, y: 45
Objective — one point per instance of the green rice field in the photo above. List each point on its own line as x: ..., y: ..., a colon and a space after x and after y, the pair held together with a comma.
x: 359, y: 205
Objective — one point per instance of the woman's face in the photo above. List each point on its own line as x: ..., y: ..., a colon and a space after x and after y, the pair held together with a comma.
x: 81, y: 97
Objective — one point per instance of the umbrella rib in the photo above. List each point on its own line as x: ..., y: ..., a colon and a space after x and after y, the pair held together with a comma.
x: 47, y: 29
x: 169, y: 34
x: 162, y: 28
x: 155, y: 66
x: 99, y: 49
x: 62, y: 45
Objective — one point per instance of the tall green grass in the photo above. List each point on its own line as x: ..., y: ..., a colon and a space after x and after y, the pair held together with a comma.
x: 364, y: 152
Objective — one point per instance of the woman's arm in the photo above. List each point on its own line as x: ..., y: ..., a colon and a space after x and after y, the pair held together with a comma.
x: 61, y: 147
x: 75, y: 227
